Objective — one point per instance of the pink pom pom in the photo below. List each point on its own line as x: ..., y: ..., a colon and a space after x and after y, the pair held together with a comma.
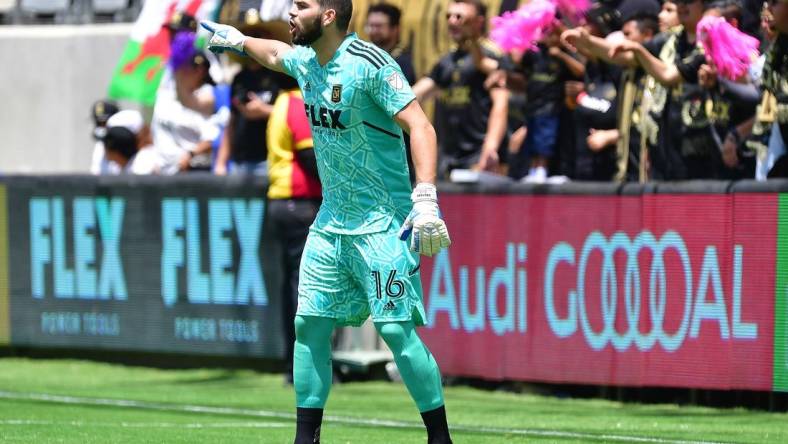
x: 574, y: 10
x: 521, y: 29
x: 729, y: 49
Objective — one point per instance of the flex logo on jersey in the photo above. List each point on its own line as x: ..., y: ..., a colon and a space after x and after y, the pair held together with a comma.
x: 324, y: 117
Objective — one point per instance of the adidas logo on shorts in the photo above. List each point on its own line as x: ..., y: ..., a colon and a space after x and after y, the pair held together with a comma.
x: 390, y: 306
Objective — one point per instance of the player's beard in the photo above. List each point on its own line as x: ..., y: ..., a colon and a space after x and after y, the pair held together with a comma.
x: 309, y: 34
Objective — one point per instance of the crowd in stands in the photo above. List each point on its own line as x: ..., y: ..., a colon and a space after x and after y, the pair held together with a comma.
x: 624, y: 90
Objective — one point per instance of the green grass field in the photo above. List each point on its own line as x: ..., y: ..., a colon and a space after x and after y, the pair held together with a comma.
x: 59, y: 401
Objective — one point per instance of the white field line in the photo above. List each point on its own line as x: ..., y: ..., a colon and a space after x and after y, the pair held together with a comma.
x: 145, y: 425
x: 545, y: 433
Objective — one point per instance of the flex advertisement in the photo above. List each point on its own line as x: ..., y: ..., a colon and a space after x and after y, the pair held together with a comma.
x: 143, y: 267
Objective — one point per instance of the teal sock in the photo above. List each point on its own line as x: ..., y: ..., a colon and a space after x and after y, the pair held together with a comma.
x: 312, y: 373
x: 416, y: 365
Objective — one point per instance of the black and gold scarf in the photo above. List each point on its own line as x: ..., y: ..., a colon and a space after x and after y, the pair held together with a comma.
x: 775, y: 69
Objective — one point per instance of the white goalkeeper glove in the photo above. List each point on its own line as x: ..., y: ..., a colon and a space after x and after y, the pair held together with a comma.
x: 429, y: 233
x: 224, y: 38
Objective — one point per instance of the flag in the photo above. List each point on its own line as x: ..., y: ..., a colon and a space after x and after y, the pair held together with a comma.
x: 137, y: 74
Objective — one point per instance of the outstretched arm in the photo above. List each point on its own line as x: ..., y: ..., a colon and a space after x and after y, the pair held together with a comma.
x: 268, y: 52
x: 666, y: 74
x: 482, y: 62
x: 223, y: 155
x: 580, y: 39
x: 425, y: 89
x: 496, y: 129
x: 574, y: 66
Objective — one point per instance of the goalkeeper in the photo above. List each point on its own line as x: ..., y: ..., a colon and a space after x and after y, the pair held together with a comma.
x: 356, y: 260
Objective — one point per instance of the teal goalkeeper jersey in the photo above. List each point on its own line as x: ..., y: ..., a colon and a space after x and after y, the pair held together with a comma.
x: 359, y: 147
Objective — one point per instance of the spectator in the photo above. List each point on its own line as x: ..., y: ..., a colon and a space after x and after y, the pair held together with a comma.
x: 101, y: 111
x: 182, y: 135
x: 731, y: 10
x: 294, y: 197
x: 749, y: 21
x: 543, y: 75
x: 470, y: 119
x: 758, y: 139
x: 775, y: 81
x: 221, y: 113
x: 730, y: 107
x: 640, y: 25
x: 383, y: 29
x: 668, y: 16
x: 126, y: 144
x: 685, y: 148
x: 181, y: 22
x: 595, y: 106
x: 243, y: 149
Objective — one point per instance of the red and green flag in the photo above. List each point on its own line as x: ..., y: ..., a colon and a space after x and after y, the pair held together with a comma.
x: 137, y: 75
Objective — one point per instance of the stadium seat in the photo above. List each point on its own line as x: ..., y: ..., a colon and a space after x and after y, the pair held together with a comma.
x: 109, y: 6
x: 44, y: 6
x: 6, y: 6
x: 111, y: 10
x: 7, y: 9
x: 55, y: 11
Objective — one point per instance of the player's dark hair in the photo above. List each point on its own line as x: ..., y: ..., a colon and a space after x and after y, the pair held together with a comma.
x: 343, y: 8
x: 481, y: 8
x: 392, y: 12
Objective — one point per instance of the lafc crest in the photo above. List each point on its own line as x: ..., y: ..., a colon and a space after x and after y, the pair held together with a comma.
x: 336, y: 93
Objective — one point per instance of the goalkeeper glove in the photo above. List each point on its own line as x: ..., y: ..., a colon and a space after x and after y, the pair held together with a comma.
x: 224, y: 37
x: 429, y: 233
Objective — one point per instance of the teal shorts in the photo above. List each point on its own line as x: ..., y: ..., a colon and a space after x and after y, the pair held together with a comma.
x: 350, y: 277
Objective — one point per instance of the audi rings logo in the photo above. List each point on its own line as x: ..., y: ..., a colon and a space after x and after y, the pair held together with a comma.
x: 635, y: 299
